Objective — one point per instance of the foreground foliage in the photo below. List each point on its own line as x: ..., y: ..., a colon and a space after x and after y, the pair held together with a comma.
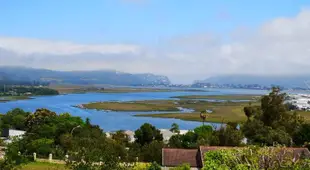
x: 254, y: 158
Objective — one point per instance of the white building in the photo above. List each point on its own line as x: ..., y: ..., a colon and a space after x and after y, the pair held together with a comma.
x: 9, y: 134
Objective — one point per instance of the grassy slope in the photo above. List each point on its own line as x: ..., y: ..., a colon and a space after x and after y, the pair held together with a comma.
x: 44, y: 166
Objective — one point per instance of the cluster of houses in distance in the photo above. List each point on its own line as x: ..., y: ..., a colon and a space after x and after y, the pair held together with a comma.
x: 299, y: 101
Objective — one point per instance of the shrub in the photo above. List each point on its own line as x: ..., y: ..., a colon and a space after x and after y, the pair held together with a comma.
x: 182, y: 167
x: 141, y: 166
x: 252, y: 158
x: 154, y: 166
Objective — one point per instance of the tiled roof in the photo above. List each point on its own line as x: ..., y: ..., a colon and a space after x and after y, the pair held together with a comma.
x: 176, y: 157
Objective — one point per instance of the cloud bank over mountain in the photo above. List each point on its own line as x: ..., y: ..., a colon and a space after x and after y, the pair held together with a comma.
x: 278, y: 47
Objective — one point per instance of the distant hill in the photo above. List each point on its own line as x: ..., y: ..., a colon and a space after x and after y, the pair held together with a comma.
x: 285, y: 81
x: 81, y: 77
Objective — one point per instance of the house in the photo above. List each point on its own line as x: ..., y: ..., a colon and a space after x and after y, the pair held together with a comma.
x: 175, y: 157
x: 194, y: 157
x: 131, y: 135
x: 8, y: 134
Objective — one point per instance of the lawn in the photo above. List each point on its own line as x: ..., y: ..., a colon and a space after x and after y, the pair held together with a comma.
x: 43, y: 166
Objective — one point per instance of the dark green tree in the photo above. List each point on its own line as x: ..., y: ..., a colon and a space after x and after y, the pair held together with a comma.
x: 152, y: 152
x: 302, y: 136
x: 229, y: 135
x: 204, y: 134
x: 271, y: 122
x: 120, y: 137
x: 15, y: 119
x: 175, y: 128
x: 147, y: 133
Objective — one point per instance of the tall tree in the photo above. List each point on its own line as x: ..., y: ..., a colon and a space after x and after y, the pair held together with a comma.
x: 147, y: 133
x: 271, y: 122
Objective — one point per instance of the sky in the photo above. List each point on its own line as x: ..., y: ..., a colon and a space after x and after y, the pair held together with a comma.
x: 184, y: 40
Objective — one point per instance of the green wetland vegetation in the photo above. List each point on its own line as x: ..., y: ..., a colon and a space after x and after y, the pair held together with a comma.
x: 148, y: 105
x: 65, y: 89
x: 220, y: 97
x: 221, y: 111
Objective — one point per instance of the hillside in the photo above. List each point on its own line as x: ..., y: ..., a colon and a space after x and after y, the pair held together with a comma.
x: 81, y: 77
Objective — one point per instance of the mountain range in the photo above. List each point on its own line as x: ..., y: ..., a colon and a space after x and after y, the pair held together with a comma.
x: 81, y: 77
x: 288, y: 81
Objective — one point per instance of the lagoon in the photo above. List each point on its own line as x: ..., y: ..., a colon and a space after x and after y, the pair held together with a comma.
x: 112, y: 121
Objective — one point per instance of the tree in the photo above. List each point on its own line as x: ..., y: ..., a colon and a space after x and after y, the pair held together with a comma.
x: 175, y: 128
x: 229, y: 135
x: 204, y: 134
x: 302, y: 135
x: 273, y: 109
x: 42, y: 146
x: 147, y: 133
x: 66, y: 142
x: 39, y: 117
x: 271, y: 122
x: 121, y: 138
x: 14, y: 119
x: 152, y: 152
x: 94, y: 153
x: 203, y: 116
x: 176, y: 141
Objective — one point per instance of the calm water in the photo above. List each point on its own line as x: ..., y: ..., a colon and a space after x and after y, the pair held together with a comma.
x: 111, y: 121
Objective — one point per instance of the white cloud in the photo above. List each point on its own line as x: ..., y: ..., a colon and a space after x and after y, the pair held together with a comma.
x: 32, y: 46
x: 280, y: 46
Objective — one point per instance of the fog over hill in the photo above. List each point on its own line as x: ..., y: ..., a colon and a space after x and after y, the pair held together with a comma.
x: 81, y: 77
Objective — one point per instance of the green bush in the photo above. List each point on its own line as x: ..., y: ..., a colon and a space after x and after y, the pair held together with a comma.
x: 154, y: 166
x: 182, y: 167
x: 252, y: 158
x: 141, y: 166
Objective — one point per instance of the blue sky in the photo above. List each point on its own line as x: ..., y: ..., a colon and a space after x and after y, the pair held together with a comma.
x: 135, y: 21
x: 183, y: 39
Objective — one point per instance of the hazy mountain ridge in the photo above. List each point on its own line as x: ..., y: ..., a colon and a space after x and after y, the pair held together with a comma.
x: 288, y: 81
x: 82, y: 77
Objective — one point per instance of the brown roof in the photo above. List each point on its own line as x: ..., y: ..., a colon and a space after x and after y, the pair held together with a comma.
x: 176, y: 157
